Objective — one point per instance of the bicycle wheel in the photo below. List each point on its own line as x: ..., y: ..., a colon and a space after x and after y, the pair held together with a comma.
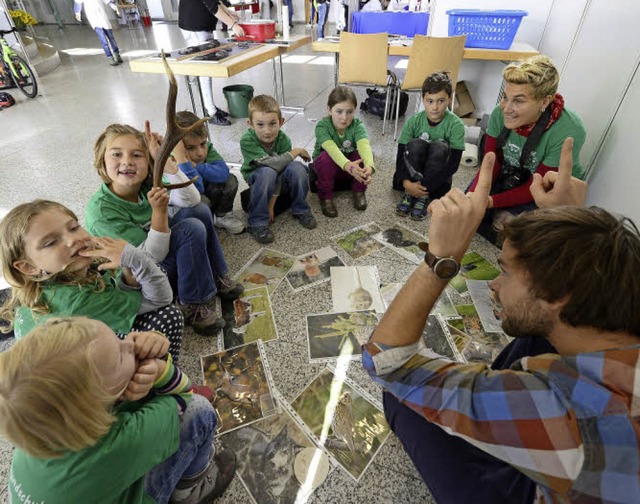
x: 23, y: 76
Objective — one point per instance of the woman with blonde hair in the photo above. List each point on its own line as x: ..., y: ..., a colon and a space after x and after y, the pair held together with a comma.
x: 526, y: 131
x: 69, y: 395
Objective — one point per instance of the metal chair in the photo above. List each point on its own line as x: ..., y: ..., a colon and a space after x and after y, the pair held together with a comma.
x: 429, y: 55
x: 363, y: 62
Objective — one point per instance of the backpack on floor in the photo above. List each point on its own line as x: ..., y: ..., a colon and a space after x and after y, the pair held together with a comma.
x: 374, y: 104
x: 6, y: 100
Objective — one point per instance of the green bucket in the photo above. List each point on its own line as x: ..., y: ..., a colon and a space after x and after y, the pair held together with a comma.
x: 238, y: 97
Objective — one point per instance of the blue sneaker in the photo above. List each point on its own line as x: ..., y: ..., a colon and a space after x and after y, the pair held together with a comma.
x: 262, y: 234
x: 404, y: 207
x: 419, y: 211
x: 307, y: 220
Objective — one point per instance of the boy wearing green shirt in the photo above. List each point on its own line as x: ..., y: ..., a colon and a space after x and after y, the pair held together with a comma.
x: 429, y: 149
x: 270, y: 169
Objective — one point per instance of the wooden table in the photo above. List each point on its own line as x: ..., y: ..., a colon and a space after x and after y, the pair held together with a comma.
x: 518, y: 51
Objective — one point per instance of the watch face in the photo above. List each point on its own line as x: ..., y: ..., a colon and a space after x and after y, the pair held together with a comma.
x: 446, y: 268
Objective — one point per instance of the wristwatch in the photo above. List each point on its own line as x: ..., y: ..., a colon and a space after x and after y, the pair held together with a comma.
x: 444, y: 267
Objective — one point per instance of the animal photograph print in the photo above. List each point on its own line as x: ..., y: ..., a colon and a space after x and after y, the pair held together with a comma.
x: 313, y: 268
x: 473, y: 267
x: 402, y: 240
x: 481, y: 346
x: 241, y: 388
x: 267, y: 268
x: 356, y: 288
x: 359, y: 242
x: 343, y: 421
x: 248, y: 318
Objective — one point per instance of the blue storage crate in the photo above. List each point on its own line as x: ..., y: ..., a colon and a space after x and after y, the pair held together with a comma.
x: 489, y: 29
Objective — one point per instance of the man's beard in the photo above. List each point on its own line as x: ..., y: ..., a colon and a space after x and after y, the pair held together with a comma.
x: 527, y: 319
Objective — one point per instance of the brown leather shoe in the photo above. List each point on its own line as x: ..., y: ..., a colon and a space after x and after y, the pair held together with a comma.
x: 359, y: 201
x: 329, y: 208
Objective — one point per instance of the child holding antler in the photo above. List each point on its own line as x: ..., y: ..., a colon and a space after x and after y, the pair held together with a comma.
x: 181, y: 237
x: 50, y: 262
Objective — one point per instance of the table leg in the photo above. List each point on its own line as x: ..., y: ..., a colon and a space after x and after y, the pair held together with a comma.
x: 279, y: 88
x: 276, y: 86
x: 281, y: 79
x: 335, y: 70
x: 193, y: 103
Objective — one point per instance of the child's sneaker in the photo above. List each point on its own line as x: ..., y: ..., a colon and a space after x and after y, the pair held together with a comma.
x: 261, y: 234
x: 202, y: 318
x: 229, y: 289
x: 230, y: 222
x: 307, y: 220
x: 419, y: 211
x: 205, y: 487
x: 404, y: 207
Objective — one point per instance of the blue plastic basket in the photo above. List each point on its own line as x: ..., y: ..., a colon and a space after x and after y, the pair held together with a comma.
x: 490, y: 29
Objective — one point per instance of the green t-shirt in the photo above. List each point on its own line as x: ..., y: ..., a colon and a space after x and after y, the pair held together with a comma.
x: 108, y: 215
x: 325, y: 130
x: 111, y: 471
x: 212, y: 154
x: 450, y: 129
x: 550, y: 146
x: 253, y: 150
x: 115, y: 307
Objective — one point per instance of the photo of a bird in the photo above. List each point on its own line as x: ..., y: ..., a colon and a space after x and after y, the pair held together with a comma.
x: 342, y: 422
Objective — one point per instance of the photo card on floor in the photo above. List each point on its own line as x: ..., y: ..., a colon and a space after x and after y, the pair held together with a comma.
x: 266, y: 268
x: 275, y: 457
x: 248, y: 318
x: 436, y: 337
x: 481, y: 346
x: 359, y: 242
x: 404, y: 241
x: 444, y: 306
x: 487, y: 306
x: 332, y: 335
x: 356, y: 288
x: 473, y: 267
x: 241, y: 383
x: 343, y: 420
x: 313, y: 268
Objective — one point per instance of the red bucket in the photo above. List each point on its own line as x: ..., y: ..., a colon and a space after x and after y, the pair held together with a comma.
x: 146, y: 20
x: 258, y: 30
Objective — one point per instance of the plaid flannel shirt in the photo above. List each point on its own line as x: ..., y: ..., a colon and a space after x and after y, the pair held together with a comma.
x: 570, y: 423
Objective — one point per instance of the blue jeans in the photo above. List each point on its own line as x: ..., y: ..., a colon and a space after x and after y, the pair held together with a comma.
x: 322, y: 18
x: 295, y: 183
x: 195, y: 257
x: 108, y: 42
x: 461, y: 472
x: 197, y: 428
x: 289, y: 4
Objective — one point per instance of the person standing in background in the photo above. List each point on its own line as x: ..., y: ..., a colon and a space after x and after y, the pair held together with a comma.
x: 99, y: 21
x: 197, y: 20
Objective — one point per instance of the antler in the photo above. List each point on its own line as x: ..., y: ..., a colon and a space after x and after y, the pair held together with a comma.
x: 173, y: 134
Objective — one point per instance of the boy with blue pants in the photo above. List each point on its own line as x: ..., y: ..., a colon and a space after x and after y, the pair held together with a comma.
x: 270, y: 169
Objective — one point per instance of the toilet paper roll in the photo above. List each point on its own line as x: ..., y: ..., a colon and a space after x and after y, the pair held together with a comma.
x: 472, y: 134
x: 470, y: 155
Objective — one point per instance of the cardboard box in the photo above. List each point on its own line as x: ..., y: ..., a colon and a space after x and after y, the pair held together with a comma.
x: 470, y: 121
x: 463, y: 105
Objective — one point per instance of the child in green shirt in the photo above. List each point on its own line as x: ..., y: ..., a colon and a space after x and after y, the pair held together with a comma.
x: 429, y: 149
x: 342, y: 152
x: 69, y: 403
x: 270, y: 169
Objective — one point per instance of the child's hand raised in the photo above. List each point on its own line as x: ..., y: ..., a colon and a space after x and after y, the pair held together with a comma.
x: 149, y: 344
x: 106, y: 248
x: 159, y: 199
x: 143, y: 379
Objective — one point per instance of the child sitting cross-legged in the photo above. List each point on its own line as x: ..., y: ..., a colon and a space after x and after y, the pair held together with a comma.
x: 69, y: 402
x: 270, y: 169
x: 55, y: 268
x: 181, y: 237
x: 342, y: 152
x: 214, y: 180
x: 429, y: 149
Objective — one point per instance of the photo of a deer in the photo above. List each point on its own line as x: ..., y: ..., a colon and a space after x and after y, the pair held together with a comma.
x: 173, y: 135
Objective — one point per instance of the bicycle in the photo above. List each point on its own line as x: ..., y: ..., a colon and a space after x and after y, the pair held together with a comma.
x: 17, y: 68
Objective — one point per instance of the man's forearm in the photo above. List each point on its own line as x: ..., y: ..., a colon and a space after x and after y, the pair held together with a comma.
x: 404, y: 321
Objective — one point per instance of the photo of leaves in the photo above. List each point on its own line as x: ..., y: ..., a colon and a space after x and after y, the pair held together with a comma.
x: 402, y: 240
x: 436, y: 337
x: 356, y: 288
x: 267, y: 453
x: 268, y: 267
x: 343, y: 421
x: 331, y: 335
x: 481, y: 346
x: 359, y: 242
x: 486, y: 305
x: 241, y: 385
x: 473, y: 267
x: 248, y: 318
x: 313, y: 268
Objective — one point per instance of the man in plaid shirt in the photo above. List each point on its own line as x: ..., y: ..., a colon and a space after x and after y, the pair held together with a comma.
x: 538, y: 426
